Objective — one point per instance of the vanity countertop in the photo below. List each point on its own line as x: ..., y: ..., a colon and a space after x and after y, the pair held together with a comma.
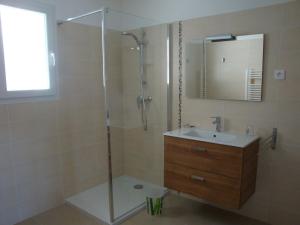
x: 223, y: 138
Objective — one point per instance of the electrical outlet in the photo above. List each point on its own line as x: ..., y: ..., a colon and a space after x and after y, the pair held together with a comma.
x: 279, y: 74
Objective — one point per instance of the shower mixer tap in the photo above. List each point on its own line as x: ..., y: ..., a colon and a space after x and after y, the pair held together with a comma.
x: 140, y: 99
x: 142, y: 104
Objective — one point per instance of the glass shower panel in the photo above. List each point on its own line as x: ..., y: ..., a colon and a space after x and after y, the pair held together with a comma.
x: 137, y: 75
x: 81, y: 110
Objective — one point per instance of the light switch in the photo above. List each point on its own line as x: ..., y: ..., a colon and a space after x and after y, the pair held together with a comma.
x: 279, y: 74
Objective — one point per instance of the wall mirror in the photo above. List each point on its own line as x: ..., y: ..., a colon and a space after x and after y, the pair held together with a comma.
x: 225, y: 67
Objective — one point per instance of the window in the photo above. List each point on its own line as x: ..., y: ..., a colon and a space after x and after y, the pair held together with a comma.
x: 27, y: 60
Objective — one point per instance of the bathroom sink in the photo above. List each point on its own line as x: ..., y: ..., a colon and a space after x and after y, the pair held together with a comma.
x: 224, y: 138
x: 198, y: 134
x: 214, y: 136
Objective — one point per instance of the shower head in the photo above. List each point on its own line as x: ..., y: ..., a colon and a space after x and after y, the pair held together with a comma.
x: 138, y: 42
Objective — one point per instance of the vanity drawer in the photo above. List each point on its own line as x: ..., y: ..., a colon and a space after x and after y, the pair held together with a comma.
x: 211, y: 187
x: 213, y: 158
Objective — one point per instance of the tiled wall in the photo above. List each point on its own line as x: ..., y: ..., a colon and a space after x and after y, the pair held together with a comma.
x: 143, y: 150
x: 81, y: 109
x: 29, y: 163
x: 52, y: 149
x: 277, y: 196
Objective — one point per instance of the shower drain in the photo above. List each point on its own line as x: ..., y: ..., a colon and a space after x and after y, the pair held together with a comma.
x: 138, y: 186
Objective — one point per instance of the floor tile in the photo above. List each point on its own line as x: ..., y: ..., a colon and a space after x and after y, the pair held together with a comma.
x: 177, y: 211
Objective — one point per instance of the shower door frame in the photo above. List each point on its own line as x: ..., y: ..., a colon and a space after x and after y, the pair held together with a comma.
x: 107, y: 114
x: 102, y: 24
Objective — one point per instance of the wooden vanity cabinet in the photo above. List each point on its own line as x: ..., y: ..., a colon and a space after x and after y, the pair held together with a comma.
x: 220, y: 174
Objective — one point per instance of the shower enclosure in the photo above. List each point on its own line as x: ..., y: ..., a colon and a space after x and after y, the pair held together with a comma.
x: 116, y: 64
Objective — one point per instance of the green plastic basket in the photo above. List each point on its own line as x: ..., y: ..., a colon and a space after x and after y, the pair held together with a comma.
x: 155, y: 202
x: 154, y: 206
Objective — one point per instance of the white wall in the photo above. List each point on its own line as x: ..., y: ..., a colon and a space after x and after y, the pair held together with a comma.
x: 174, y: 10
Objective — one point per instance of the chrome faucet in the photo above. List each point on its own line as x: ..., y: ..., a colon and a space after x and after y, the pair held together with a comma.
x: 217, y: 122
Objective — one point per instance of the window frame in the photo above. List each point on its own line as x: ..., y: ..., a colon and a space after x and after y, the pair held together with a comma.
x: 49, y: 10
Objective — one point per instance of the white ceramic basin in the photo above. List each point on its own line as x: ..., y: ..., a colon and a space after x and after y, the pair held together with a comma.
x: 224, y: 138
x: 209, y: 135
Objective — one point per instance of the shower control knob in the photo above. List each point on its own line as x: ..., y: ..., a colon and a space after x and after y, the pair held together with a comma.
x: 140, y: 99
x: 148, y: 99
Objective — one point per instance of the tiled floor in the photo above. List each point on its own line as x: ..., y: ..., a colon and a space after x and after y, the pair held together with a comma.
x: 177, y: 211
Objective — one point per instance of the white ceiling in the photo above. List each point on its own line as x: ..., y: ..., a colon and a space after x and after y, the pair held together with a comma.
x: 159, y: 11
x: 174, y: 10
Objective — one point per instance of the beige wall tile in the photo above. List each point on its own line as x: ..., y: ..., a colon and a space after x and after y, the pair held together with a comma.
x: 8, y: 198
x: 3, y: 114
x: 4, y: 134
x: 7, y: 178
x: 5, y: 159
x: 10, y: 216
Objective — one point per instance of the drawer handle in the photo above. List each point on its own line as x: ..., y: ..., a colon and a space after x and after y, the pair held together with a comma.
x: 199, y: 149
x: 197, y: 178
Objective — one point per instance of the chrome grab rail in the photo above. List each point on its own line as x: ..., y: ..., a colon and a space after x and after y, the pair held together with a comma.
x: 271, y: 140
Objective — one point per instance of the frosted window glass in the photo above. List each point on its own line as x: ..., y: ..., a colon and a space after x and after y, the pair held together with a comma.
x: 25, y: 47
